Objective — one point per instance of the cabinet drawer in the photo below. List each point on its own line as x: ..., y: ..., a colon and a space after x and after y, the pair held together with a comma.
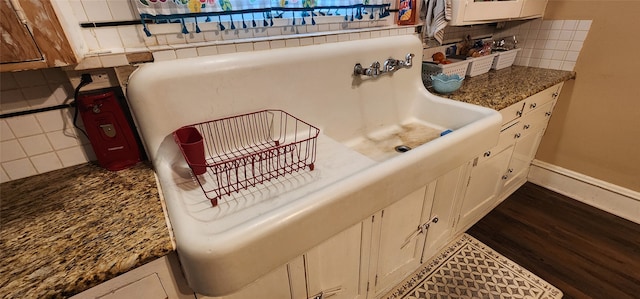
x: 541, y: 98
x: 512, y: 112
x: 536, y: 120
x: 507, y: 137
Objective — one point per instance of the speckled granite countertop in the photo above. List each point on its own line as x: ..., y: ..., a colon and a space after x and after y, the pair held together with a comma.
x: 500, y: 89
x: 68, y: 230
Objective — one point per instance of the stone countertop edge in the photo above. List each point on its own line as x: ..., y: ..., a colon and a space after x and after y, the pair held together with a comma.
x: 68, y: 230
x: 502, y: 88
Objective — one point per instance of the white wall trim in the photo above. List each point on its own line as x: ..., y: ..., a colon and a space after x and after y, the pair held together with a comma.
x: 605, y: 196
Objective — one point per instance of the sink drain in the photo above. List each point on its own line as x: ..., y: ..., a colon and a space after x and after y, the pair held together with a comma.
x: 402, y: 148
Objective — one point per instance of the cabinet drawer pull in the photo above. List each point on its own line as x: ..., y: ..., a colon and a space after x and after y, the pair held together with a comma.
x: 519, y: 113
x: 487, y: 153
x: 526, y: 127
x: 510, y: 170
x: 504, y: 177
x: 548, y: 114
x: 555, y: 95
x: 517, y: 136
x: 533, y: 105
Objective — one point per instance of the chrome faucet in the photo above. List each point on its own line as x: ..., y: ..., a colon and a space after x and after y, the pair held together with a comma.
x: 390, y: 65
x: 372, y: 71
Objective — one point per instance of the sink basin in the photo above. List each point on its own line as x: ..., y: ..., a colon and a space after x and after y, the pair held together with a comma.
x: 357, y: 172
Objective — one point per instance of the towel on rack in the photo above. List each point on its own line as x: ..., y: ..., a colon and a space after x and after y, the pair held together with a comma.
x: 437, y: 15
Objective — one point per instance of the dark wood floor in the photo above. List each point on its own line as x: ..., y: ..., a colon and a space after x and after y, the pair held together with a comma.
x: 581, y: 250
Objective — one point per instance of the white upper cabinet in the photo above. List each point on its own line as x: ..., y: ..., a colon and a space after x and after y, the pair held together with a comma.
x: 467, y: 12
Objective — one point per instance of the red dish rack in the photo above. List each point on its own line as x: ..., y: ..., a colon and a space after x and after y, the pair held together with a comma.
x: 245, y: 150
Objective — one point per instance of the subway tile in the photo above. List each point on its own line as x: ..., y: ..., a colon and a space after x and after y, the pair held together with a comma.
x: 306, y: 41
x: 332, y: 38
x: 580, y: 35
x: 555, y: 64
x: 186, y: 53
x: 384, y: 33
x: 164, y: 55
x: 35, y: 145
x: 546, y: 54
x: 274, y: 44
x: 543, y: 34
x: 131, y: 36
x: 91, y: 39
x: 4, y: 177
x: 343, y: 37
x: 292, y: 42
x: 568, y: 65
x: 207, y: 50
x: 30, y: 78
x: 318, y: 40
x: 562, y: 45
x: 540, y: 44
x: 175, y: 38
x: 323, y: 27
x: 245, y: 33
x: 244, y: 47
x: 122, y: 10
x: 393, y: 32
x: 572, y: 56
x: 334, y: 27
x: 73, y: 156
x: 62, y: 139
x: 559, y: 55
x: 546, y: 24
x: 211, y: 36
x: 354, y: 36
x: 54, y: 75
x: 5, y: 131
x: 584, y: 25
x: 365, y: 35
x: 78, y: 11
x: 25, y: 125
x: 544, y: 63
x: 232, y: 34
x: 557, y: 24
x: 97, y: 10
x: 54, y: 120
x: 12, y: 101
x: 39, y: 97
x: 159, y: 29
x: 565, y: 35
x: 375, y: 34
x: 550, y: 44
x: 274, y: 31
x: 570, y: 24
x: 11, y: 150
x: 7, y: 81
x: 194, y: 37
x: 18, y: 169
x: 536, y: 53
x: 260, y: 32
x: 108, y: 38
x: 311, y: 29
x: 46, y: 162
x: 575, y: 45
x: 228, y: 48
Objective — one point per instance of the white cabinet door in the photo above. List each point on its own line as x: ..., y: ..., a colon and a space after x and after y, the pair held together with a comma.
x: 397, y: 243
x: 466, y: 12
x: 449, y: 192
x: 334, y: 267
x: 483, y: 189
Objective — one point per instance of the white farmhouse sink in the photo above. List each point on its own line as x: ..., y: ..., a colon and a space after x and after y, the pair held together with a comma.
x: 250, y: 233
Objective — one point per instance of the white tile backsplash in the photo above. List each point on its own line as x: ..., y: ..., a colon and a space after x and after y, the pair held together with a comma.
x: 29, y: 143
x: 20, y: 168
x: 97, y: 10
x: 122, y: 10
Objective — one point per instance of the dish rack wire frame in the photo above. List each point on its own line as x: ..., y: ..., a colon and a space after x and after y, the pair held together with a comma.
x: 504, y: 59
x: 245, y: 150
x: 480, y: 65
x: 430, y: 68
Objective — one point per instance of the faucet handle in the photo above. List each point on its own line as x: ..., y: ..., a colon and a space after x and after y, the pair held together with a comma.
x: 408, y: 61
x: 374, y: 69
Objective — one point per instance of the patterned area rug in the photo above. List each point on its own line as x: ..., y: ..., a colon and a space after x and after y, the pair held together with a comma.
x: 470, y: 269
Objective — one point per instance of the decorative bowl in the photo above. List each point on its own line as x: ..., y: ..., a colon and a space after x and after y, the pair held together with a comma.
x: 446, y: 83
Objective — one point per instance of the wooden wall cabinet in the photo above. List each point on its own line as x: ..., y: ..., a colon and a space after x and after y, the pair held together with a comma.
x: 468, y: 12
x: 32, y: 37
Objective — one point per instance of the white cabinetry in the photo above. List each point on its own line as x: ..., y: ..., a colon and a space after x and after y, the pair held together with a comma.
x: 504, y: 168
x: 467, y: 12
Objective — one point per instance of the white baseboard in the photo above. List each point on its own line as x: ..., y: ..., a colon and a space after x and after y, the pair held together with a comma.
x: 605, y: 196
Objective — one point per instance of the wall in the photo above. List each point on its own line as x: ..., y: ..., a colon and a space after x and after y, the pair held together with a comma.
x: 595, y: 129
x: 41, y: 142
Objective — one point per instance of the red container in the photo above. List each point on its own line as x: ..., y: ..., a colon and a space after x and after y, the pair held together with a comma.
x: 190, y: 141
x: 108, y: 130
